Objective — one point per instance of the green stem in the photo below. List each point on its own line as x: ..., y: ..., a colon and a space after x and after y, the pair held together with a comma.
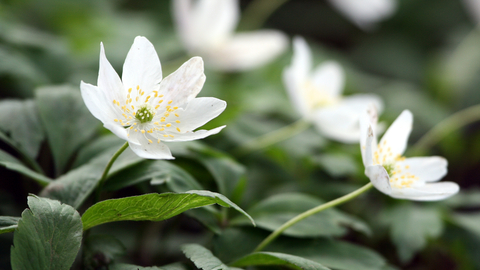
x: 271, y: 138
x: 449, y: 124
x: 257, y: 13
x: 107, y: 169
x: 311, y: 212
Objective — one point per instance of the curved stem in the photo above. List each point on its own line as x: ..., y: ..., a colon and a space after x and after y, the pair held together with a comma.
x: 449, y: 124
x: 271, y: 138
x: 107, y: 169
x: 257, y: 13
x: 310, y: 212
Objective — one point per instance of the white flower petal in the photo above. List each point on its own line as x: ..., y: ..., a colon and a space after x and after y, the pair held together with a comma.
x: 329, y: 77
x: 427, y: 192
x: 142, y: 67
x: 190, y: 136
x: 185, y: 83
x: 368, y: 120
x: 396, y: 136
x: 108, y: 80
x: 199, y: 111
x: 360, y: 102
x: 96, y: 102
x: 247, y: 50
x: 205, y: 24
x: 427, y: 169
x: 146, y: 149
x: 296, y: 75
x: 367, y: 12
x: 379, y: 178
x: 103, y: 110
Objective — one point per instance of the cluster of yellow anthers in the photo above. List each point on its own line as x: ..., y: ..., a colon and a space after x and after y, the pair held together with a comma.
x: 399, y: 174
x: 142, y: 117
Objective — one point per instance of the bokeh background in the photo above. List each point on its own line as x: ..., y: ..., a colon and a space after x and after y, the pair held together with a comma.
x: 425, y: 58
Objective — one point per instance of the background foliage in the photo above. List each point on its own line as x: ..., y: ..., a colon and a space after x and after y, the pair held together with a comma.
x: 426, y: 58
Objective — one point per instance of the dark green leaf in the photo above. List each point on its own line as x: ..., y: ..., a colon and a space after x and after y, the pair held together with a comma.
x: 469, y: 221
x: 273, y: 258
x: 203, y: 258
x: 8, y: 224
x: 19, y: 120
x: 153, y: 207
x: 411, y: 226
x: 67, y: 121
x: 101, y: 249
x: 124, y: 266
x: 98, y: 146
x: 278, y: 209
x: 177, y: 179
x: 75, y: 186
x: 11, y: 163
x: 48, y: 236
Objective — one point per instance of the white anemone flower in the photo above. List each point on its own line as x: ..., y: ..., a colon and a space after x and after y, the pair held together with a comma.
x: 145, y: 110
x: 317, y: 95
x: 206, y: 28
x: 366, y: 13
x: 395, y: 175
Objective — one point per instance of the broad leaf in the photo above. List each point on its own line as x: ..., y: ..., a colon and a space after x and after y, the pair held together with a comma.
x: 411, y: 226
x: 19, y: 120
x: 124, y: 266
x: 8, y: 224
x: 177, y: 179
x: 153, y: 207
x: 278, y: 209
x: 67, y: 121
x: 48, y: 236
x: 468, y: 221
x: 75, y: 186
x: 339, y: 255
x: 203, y: 258
x: 11, y: 163
x: 95, y: 148
x: 100, y: 250
x: 274, y: 258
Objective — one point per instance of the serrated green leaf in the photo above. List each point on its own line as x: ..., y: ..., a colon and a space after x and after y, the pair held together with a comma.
x: 273, y: 212
x: 48, y: 236
x: 75, y: 186
x: 203, y: 258
x: 19, y: 119
x: 67, y: 121
x: 8, y: 224
x: 274, y: 258
x: 153, y: 207
x: 411, y: 226
x: 11, y: 163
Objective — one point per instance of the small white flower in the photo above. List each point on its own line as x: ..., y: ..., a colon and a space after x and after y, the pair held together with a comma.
x: 365, y: 13
x: 146, y: 110
x: 317, y: 95
x: 395, y: 175
x: 206, y: 27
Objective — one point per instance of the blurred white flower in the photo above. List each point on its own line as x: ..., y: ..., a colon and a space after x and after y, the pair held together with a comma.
x: 473, y: 8
x: 365, y: 13
x: 146, y: 110
x: 395, y: 175
x: 317, y: 95
x: 206, y: 28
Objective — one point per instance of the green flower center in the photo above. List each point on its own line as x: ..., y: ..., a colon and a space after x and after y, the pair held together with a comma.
x: 389, y: 168
x: 145, y: 113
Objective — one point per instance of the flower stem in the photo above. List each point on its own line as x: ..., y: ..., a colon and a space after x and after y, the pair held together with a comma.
x: 311, y: 212
x: 257, y: 13
x: 271, y: 138
x: 449, y: 124
x: 102, y: 180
